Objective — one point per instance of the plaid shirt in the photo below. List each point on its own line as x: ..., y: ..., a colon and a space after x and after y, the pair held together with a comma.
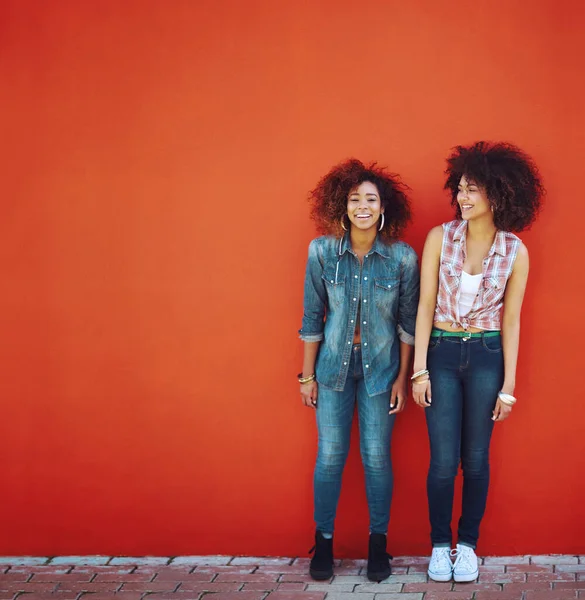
x: 497, y: 268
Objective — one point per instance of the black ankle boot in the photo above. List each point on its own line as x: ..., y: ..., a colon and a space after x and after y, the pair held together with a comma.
x: 378, y: 559
x: 322, y: 562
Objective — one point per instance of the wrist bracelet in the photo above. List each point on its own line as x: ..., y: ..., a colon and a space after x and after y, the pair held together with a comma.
x: 507, y: 398
x: 419, y: 374
x: 308, y: 379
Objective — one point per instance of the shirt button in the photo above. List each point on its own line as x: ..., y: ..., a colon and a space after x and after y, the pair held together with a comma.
x: 332, y: 281
x: 344, y: 363
x: 365, y: 343
x: 365, y: 300
x: 349, y: 343
x: 355, y: 276
x: 351, y: 321
x: 365, y: 278
x: 367, y: 366
x: 364, y: 323
x: 355, y: 299
x: 389, y: 285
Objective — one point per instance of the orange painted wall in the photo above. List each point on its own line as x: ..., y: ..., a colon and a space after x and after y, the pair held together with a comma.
x: 155, y: 162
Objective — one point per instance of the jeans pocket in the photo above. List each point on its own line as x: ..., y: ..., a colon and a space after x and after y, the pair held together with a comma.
x: 492, y: 343
x: 434, y: 342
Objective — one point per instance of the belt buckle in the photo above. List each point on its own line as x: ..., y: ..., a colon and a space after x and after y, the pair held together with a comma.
x: 467, y: 336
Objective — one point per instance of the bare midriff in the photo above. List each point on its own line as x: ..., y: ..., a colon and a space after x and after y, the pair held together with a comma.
x: 447, y: 327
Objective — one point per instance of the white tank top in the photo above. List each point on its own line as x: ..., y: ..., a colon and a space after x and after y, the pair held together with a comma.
x: 468, y: 291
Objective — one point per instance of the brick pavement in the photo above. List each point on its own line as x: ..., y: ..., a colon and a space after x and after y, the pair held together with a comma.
x: 548, y: 577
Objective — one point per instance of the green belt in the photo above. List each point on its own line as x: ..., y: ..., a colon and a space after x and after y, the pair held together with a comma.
x: 461, y: 334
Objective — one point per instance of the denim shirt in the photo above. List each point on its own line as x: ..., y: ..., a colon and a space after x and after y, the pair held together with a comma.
x: 386, y: 289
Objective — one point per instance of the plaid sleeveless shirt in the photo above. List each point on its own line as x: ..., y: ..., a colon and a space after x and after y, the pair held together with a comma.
x: 496, y: 270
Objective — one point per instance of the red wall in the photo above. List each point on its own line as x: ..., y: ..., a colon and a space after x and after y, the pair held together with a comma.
x: 156, y: 157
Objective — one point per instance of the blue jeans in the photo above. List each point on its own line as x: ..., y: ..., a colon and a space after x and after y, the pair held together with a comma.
x: 466, y: 376
x: 334, y: 417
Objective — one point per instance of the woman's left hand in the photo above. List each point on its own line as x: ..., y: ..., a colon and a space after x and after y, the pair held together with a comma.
x: 398, y: 395
x: 501, y: 411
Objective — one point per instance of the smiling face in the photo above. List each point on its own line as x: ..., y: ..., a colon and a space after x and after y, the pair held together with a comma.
x: 473, y: 200
x: 364, y: 206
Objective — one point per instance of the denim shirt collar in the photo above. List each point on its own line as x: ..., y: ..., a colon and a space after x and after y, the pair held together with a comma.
x: 498, y: 247
x: 379, y: 247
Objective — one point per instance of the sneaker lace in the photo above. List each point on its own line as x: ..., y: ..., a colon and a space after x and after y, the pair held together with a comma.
x: 463, y: 559
x: 441, y: 558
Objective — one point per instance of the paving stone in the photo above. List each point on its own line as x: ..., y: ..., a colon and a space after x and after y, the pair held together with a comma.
x: 569, y: 585
x: 554, y: 559
x: 201, y: 560
x: 258, y: 587
x: 291, y: 587
x: 231, y: 596
x: 551, y: 577
x: 50, y: 596
x: 297, y: 577
x: 278, y: 595
x: 80, y: 560
x: 109, y: 596
x: 260, y: 561
x: 306, y: 561
x: 400, y: 596
x: 551, y: 595
x: 529, y: 568
x: 411, y: 560
x: 477, y: 587
x: 152, y: 586
x: 215, y: 569
x: 501, y: 577
x: 347, y: 596
x: 184, y: 577
x: 498, y: 595
x: 437, y: 586
x: 330, y: 588
x: 378, y: 588
x: 24, y: 560
x: 506, y: 560
x: 140, y: 560
x: 249, y: 578
x: 434, y: 595
x: 201, y: 586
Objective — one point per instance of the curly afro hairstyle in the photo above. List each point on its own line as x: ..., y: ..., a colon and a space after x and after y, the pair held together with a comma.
x: 329, y: 198
x: 508, y: 175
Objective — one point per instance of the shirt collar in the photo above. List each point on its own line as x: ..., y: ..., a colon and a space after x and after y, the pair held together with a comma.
x: 379, y: 246
x: 498, y: 247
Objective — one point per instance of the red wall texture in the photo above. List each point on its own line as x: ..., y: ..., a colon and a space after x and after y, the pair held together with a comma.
x: 156, y: 157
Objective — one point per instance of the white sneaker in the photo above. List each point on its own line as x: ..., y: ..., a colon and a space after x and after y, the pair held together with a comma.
x: 441, y: 567
x: 465, y: 568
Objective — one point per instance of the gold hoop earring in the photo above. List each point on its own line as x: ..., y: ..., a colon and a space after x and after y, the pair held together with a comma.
x: 342, y: 223
x: 382, y: 223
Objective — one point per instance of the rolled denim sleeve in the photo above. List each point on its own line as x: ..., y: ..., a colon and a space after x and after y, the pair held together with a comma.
x: 315, y: 298
x: 409, y: 293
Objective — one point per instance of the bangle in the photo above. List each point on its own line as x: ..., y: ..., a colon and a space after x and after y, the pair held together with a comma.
x: 507, y: 398
x: 419, y: 374
x: 305, y: 379
x: 423, y: 381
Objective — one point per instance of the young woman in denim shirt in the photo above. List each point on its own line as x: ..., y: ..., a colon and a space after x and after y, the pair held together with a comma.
x: 361, y: 295
x: 473, y: 277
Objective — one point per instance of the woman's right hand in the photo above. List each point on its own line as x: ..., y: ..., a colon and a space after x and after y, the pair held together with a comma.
x: 421, y: 392
x: 309, y: 393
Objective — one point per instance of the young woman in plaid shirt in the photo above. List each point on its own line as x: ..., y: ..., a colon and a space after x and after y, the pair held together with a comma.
x: 473, y: 277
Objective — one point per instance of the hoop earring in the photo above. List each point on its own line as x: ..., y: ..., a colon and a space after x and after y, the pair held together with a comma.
x: 342, y: 223
x: 381, y: 224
